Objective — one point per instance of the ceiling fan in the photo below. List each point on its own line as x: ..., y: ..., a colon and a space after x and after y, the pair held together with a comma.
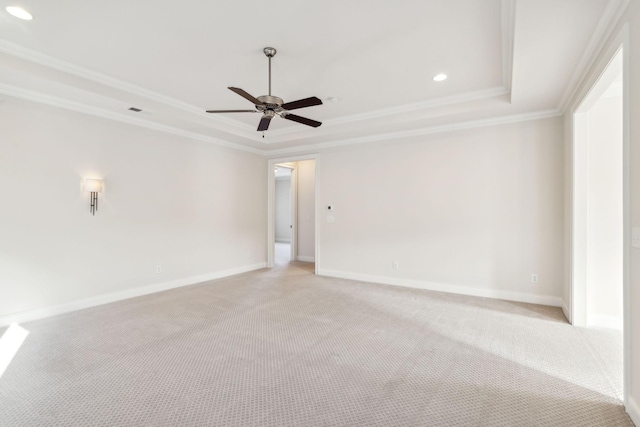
x: 271, y: 106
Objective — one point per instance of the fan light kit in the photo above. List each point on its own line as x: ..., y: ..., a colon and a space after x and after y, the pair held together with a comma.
x: 271, y: 106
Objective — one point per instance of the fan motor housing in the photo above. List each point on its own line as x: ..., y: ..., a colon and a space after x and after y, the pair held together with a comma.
x: 271, y: 102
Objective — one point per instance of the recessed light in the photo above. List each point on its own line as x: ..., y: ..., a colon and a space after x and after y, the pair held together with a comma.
x: 19, y: 12
x: 440, y: 78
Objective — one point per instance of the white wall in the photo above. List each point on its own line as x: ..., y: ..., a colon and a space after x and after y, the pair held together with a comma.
x: 198, y: 210
x: 474, y: 211
x: 283, y: 209
x: 604, y: 214
x: 306, y: 171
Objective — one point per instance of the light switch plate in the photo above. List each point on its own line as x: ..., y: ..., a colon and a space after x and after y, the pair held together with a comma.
x: 635, y: 237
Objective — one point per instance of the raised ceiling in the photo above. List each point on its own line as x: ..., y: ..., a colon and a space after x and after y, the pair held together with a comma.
x: 506, y: 61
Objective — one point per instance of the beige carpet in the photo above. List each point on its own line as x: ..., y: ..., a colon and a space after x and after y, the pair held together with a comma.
x: 283, y: 347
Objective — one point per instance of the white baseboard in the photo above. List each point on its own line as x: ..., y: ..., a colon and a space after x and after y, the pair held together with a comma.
x: 566, y: 311
x: 282, y: 240
x: 40, y: 313
x: 633, y: 410
x: 305, y: 258
x: 455, y: 289
x: 607, y: 322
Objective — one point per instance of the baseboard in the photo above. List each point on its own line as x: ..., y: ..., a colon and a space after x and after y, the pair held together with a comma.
x: 305, y: 258
x: 282, y: 240
x: 633, y: 410
x: 607, y: 322
x: 440, y: 287
x: 566, y: 311
x: 40, y: 313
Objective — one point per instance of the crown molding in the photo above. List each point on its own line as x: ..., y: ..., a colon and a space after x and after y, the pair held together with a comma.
x: 471, y: 124
x: 224, y: 124
x: 403, y: 109
x: 607, y: 24
x: 38, y: 97
x: 508, y: 37
x: 231, y: 126
x: 33, y: 96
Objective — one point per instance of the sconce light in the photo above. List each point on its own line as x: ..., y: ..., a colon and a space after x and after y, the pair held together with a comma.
x: 94, y: 186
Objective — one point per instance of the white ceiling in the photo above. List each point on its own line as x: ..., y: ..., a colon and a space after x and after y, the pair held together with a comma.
x: 506, y: 60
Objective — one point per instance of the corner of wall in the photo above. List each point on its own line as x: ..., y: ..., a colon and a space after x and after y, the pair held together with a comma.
x: 633, y: 410
x: 566, y: 311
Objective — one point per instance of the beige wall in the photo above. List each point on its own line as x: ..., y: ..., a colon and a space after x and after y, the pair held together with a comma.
x: 633, y: 17
x: 476, y: 211
x: 197, y: 210
x: 306, y: 173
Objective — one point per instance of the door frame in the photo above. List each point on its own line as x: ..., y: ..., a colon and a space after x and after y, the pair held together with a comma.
x: 271, y: 180
x: 293, y: 207
x: 577, y: 241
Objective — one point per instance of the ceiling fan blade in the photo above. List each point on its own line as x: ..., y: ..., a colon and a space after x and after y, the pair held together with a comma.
x: 245, y: 95
x: 302, y: 120
x: 264, y: 124
x: 302, y: 103
x: 232, y: 111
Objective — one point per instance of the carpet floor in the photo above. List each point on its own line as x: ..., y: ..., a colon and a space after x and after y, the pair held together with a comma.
x: 283, y: 347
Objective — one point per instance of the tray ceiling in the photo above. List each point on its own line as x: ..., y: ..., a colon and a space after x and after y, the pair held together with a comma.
x: 505, y: 60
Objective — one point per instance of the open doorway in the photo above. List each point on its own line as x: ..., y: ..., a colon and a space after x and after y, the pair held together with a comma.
x: 283, y: 214
x: 598, y: 203
x: 295, y: 178
x: 600, y: 211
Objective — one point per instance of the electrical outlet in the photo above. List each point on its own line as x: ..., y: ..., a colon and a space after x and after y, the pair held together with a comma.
x: 158, y: 268
x: 395, y: 265
x: 534, y: 278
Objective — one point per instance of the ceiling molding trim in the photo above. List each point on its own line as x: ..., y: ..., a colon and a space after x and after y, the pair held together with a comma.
x: 228, y: 125
x: 224, y: 124
x: 407, y: 108
x: 29, y: 95
x: 472, y: 124
x: 508, y: 37
x: 607, y: 24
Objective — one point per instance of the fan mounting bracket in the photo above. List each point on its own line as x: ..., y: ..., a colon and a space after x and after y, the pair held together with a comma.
x: 270, y: 52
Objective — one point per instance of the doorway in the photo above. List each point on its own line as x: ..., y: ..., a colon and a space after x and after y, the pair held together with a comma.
x: 598, y: 131
x: 600, y: 206
x: 302, y: 186
x: 285, y: 193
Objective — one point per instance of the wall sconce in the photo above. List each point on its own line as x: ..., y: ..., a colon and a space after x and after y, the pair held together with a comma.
x: 94, y: 186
